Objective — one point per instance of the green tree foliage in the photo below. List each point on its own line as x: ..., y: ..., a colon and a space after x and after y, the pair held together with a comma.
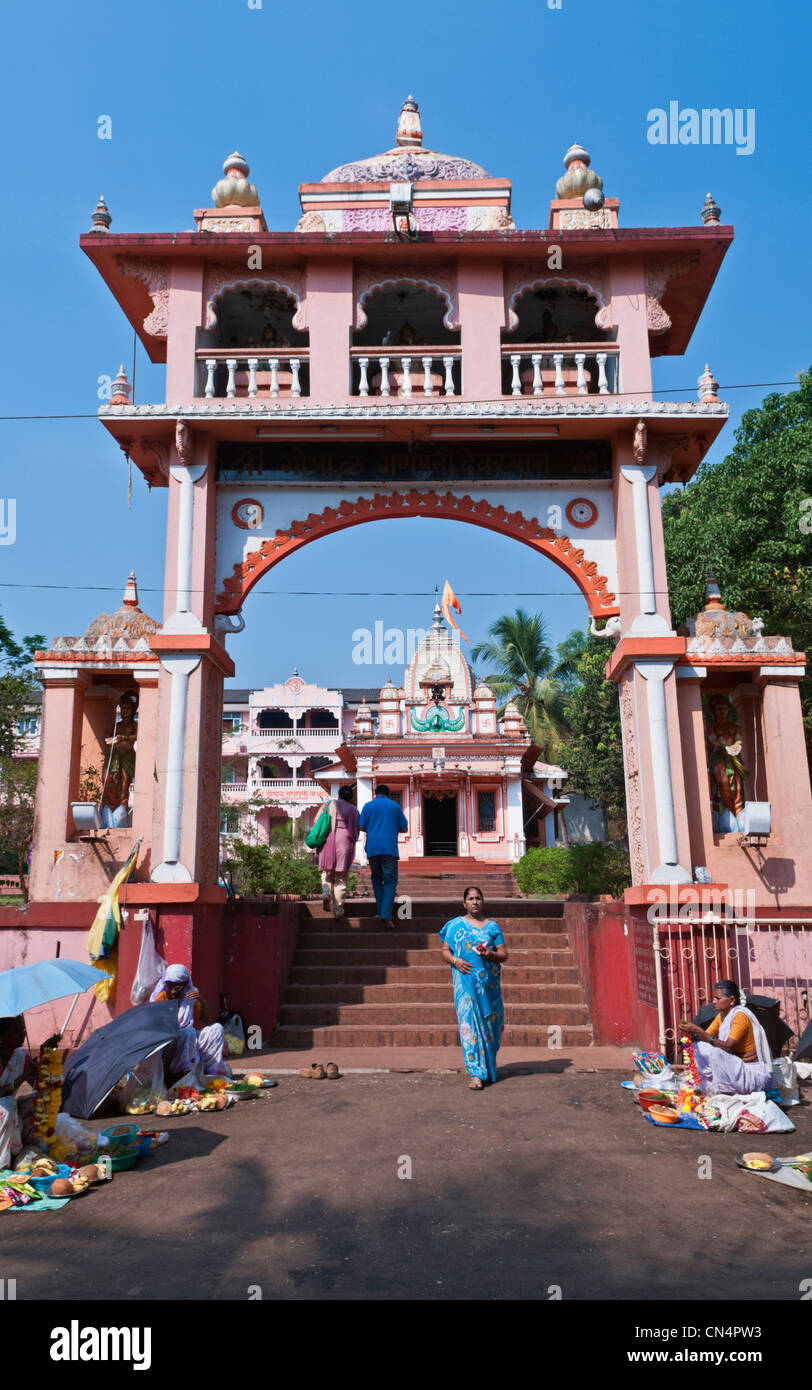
x: 748, y: 520
x: 527, y: 672
x: 18, y: 684
x: 18, y: 785
x: 283, y: 866
x: 590, y: 869
x: 593, y: 751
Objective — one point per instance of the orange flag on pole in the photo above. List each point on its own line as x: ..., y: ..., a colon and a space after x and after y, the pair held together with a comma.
x: 449, y: 601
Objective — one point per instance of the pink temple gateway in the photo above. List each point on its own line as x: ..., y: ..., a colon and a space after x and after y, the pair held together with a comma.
x: 406, y: 351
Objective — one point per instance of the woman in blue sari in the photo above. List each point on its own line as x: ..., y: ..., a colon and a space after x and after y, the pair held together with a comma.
x: 475, y: 949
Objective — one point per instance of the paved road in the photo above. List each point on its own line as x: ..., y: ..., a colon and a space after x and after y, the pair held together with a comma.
x: 547, y: 1179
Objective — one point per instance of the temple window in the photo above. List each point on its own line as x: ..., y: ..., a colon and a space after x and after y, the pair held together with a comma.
x: 486, y: 812
x: 229, y: 821
x: 29, y: 724
x: 274, y: 719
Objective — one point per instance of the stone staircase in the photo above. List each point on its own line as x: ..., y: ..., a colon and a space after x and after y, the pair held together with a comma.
x: 447, y: 877
x: 353, y: 984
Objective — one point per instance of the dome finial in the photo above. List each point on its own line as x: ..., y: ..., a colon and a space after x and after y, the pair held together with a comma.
x: 130, y: 599
x: 579, y: 178
x: 409, y: 132
x: 234, y: 189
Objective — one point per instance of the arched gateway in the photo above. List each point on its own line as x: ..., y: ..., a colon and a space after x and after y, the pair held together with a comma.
x: 283, y: 422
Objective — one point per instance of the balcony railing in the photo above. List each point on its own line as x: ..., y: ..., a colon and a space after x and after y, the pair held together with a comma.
x: 239, y: 787
x: 286, y: 784
x: 225, y: 372
x: 421, y: 372
x: 294, y: 733
x: 560, y: 369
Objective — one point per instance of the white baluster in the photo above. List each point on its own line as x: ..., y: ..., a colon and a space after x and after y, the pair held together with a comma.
x: 537, y: 384
x: 580, y: 358
x: 515, y: 381
x: 363, y: 389
x: 295, y: 387
x: 231, y: 388
x: 384, y: 365
x: 252, y: 375
x: 428, y: 388
x: 211, y: 367
x: 406, y: 364
x: 603, y: 384
x: 558, y: 360
x: 448, y: 363
x: 273, y: 363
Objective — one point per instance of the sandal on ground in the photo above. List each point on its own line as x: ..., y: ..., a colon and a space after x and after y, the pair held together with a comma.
x: 476, y: 1084
x: 315, y: 1072
x: 332, y: 1072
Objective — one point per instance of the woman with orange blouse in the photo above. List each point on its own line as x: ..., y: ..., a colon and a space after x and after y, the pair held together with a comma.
x: 732, y: 1055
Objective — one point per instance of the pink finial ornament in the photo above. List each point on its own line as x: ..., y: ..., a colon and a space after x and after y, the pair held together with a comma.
x: 707, y: 387
x: 121, y: 388
x: 409, y: 132
x: 130, y: 599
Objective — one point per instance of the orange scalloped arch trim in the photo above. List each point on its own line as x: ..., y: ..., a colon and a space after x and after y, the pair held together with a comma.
x: 443, y: 506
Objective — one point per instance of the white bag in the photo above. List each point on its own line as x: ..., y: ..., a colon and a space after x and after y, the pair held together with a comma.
x: 234, y: 1036
x: 785, y: 1079
x: 151, y: 966
x: 731, y: 1107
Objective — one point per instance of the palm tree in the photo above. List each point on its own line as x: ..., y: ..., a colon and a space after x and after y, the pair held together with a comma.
x: 528, y: 673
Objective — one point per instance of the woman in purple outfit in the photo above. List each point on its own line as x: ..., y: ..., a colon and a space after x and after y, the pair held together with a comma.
x: 338, y: 852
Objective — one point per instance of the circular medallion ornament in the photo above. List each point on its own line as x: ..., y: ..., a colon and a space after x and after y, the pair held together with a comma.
x: 247, y: 514
x: 581, y: 512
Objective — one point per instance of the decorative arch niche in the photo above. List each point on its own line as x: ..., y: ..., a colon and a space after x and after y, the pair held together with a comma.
x: 371, y: 284
x: 582, y: 319
x: 445, y: 507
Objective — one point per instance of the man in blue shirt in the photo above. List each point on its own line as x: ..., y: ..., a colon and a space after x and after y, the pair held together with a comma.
x: 382, y: 820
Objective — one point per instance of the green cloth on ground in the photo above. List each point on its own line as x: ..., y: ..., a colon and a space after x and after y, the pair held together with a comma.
x: 43, y: 1204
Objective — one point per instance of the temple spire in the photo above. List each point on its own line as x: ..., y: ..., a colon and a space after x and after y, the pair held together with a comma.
x: 409, y: 132
x: 130, y: 599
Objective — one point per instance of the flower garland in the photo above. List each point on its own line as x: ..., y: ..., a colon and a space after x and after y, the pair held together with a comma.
x: 48, y: 1094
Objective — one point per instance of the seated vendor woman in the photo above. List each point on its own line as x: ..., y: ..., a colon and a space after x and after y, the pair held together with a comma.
x: 15, y: 1068
x: 199, y: 1048
x: 732, y: 1054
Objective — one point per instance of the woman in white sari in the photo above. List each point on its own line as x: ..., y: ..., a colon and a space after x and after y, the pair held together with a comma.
x: 732, y: 1055
x: 15, y: 1067
x: 200, y: 1046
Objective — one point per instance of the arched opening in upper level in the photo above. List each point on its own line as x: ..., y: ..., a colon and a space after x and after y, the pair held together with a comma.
x: 252, y: 344
x: 553, y: 345
x: 406, y: 341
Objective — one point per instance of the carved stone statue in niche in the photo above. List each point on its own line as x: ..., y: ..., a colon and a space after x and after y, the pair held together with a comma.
x: 120, y: 763
x: 727, y: 771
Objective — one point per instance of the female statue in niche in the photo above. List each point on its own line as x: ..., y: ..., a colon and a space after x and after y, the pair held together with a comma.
x: 727, y: 772
x: 121, y: 763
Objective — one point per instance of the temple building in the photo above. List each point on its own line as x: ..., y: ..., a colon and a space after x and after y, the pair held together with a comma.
x: 465, y: 778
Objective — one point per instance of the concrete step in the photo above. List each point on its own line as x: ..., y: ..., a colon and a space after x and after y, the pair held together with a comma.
x: 429, y: 1036
x: 540, y: 1016
x: 417, y: 940
x: 401, y: 956
x: 337, y: 975
x: 445, y: 907
x: 421, y: 992
x: 429, y: 926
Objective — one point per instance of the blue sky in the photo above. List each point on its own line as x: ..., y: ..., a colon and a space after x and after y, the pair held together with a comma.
x: 299, y: 89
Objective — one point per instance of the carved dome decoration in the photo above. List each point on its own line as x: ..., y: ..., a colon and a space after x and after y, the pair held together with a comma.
x: 234, y: 190
x: 407, y: 161
x: 579, y: 178
x: 129, y: 623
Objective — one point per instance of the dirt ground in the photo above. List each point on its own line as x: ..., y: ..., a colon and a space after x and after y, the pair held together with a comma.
x: 551, y: 1178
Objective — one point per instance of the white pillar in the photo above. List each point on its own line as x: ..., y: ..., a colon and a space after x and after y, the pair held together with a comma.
x: 171, y: 870
x: 669, y: 869
x: 363, y: 794
x: 515, y: 379
x: 648, y: 622
x: 183, y: 620
x: 384, y: 363
x: 514, y: 812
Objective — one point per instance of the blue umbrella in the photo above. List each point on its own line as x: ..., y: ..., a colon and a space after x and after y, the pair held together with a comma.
x: 25, y: 986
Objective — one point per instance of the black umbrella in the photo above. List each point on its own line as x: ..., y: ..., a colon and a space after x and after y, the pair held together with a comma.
x: 113, y: 1051
x: 804, y: 1043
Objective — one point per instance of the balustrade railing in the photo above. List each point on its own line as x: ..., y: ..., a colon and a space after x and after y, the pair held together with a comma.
x: 282, y: 734
x: 233, y: 786
x: 287, y: 784
x: 227, y: 373
x: 421, y: 372
x: 560, y: 369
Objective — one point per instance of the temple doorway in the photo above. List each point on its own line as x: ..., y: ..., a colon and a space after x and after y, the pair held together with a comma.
x: 440, y: 823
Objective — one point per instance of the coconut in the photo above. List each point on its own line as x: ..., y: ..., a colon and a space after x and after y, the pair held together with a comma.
x: 254, y: 1079
x: 61, y: 1187
x: 164, y: 1107
x: 90, y: 1171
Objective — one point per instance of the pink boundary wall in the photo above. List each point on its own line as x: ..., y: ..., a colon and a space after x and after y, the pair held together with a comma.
x: 242, y: 950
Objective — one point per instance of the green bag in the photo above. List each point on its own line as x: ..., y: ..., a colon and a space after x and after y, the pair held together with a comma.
x: 316, y: 837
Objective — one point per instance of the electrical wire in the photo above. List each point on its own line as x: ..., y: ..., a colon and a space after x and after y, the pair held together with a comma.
x: 655, y: 391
